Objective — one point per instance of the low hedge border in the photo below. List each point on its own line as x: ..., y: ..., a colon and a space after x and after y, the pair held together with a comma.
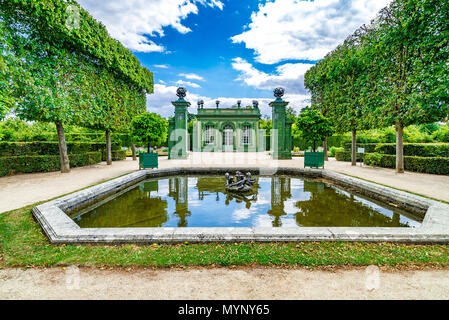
x: 345, y: 156
x: 45, y: 163
x: 18, y: 149
x: 369, y: 147
x: 415, y: 149
x: 431, y: 165
x: 117, y: 155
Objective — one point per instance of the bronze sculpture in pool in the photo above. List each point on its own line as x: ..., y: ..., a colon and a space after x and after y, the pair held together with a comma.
x: 240, y: 183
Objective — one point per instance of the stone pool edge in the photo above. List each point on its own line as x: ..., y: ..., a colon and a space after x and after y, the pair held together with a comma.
x: 61, y: 229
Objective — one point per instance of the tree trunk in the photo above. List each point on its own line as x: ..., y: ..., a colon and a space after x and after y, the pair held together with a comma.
x: 326, y: 154
x: 108, y: 147
x: 314, y: 146
x: 149, y: 148
x: 63, y: 156
x: 354, y: 148
x: 133, y: 150
x: 399, y: 148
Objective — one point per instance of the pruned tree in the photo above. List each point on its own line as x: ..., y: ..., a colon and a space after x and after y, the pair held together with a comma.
x: 314, y: 126
x: 63, y: 67
x: 149, y: 129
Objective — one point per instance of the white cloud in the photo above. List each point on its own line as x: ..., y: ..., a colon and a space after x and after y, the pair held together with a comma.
x: 130, y: 21
x: 160, y: 101
x: 289, y: 76
x: 161, y: 66
x: 188, y: 84
x: 191, y: 76
x: 304, y: 30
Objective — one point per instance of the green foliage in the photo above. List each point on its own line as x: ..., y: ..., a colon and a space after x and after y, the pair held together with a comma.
x: 442, y: 135
x: 149, y: 129
x: 13, y: 149
x: 418, y: 150
x: 431, y: 165
x: 369, y: 147
x: 416, y: 135
x: 334, y: 150
x: 343, y: 155
x: 291, y: 113
x: 391, y: 72
x: 429, y: 128
x: 35, y: 163
x: 266, y: 125
x: 314, y: 126
x: 76, y: 31
x: 68, y: 76
x: 117, y: 155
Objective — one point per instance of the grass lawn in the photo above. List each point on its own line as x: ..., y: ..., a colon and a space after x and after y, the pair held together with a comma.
x: 23, y: 244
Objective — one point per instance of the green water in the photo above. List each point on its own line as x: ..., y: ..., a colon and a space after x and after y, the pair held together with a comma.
x: 276, y: 202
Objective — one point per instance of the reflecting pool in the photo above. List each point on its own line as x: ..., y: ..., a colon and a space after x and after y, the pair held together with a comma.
x: 203, y: 201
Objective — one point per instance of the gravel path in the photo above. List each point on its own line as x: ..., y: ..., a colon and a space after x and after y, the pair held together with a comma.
x: 223, y: 284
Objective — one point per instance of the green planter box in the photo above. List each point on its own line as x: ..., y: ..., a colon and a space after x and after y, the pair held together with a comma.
x: 314, y: 160
x: 148, y: 161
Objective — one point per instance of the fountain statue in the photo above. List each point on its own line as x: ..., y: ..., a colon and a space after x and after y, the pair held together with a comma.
x: 240, y: 183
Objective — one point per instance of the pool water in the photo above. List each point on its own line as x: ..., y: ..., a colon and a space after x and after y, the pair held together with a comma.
x: 278, y: 201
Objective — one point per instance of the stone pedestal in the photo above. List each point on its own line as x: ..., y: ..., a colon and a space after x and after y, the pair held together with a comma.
x: 281, y: 134
x: 178, y: 136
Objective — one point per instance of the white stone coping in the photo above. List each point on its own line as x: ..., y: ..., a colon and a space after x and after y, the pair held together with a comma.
x: 61, y: 229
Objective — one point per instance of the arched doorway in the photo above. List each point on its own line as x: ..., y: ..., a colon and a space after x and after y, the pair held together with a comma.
x: 228, y: 138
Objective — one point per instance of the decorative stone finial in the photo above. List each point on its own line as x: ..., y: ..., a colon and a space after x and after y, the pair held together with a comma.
x: 255, y: 104
x: 279, y: 92
x: 181, y: 93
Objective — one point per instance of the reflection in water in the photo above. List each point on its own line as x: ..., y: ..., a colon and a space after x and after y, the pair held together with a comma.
x: 179, y: 192
x: 280, y: 192
x: 275, y: 202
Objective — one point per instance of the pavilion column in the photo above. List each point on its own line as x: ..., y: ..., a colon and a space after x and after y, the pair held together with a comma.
x: 281, y: 144
x: 179, y: 138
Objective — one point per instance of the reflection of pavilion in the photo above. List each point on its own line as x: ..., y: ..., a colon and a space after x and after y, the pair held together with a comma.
x: 280, y: 192
x: 179, y: 191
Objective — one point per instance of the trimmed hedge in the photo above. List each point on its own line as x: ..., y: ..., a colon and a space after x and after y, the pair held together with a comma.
x: 18, y: 149
x: 343, y: 156
x: 117, y: 155
x: 416, y: 149
x: 369, y: 147
x: 346, y: 156
x: 432, y: 165
x: 44, y: 163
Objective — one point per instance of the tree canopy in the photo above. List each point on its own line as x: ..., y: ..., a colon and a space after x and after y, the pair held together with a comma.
x: 391, y: 72
x: 64, y: 24
x: 150, y: 129
x: 57, y: 64
x: 314, y: 126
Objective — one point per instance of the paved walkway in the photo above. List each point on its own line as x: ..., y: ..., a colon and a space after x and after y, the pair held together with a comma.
x: 223, y: 284
x: 22, y: 190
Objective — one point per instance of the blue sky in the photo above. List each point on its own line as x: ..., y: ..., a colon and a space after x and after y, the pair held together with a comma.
x: 230, y: 49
